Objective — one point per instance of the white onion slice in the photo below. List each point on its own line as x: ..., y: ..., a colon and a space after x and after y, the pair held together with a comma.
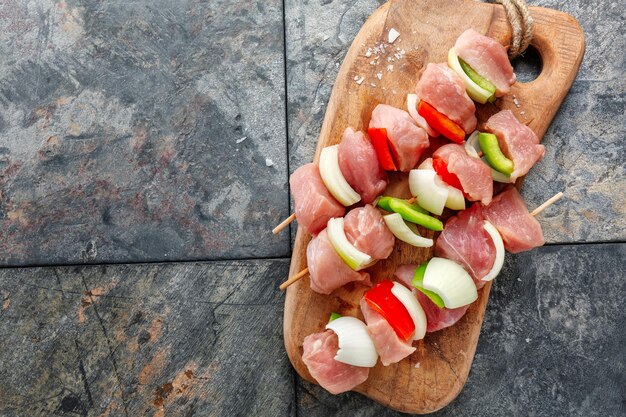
x: 353, y: 257
x: 499, y: 244
x: 476, y: 92
x: 430, y: 190
x: 456, y: 199
x: 472, y: 147
x: 451, y: 282
x: 334, y: 179
x: 402, y: 231
x: 414, y: 308
x: 355, y: 344
x: 411, y: 103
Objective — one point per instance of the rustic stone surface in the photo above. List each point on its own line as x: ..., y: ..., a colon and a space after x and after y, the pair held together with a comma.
x: 552, y: 343
x: 162, y: 339
x: 119, y: 131
x: 585, y: 142
x: 585, y: 149
x: 119, y: 125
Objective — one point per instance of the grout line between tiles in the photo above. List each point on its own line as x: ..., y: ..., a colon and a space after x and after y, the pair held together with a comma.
x: 599, y: 242
x: 139, y: 263
x: 242, y: 259
x: 286, y: 117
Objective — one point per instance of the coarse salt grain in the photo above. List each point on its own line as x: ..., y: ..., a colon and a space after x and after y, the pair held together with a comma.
x: 241, y: 140
x: 360, y: 80
x: 390, y: 67
x: 393, y: 35
x: 268, y: 162
x: 379, y: 75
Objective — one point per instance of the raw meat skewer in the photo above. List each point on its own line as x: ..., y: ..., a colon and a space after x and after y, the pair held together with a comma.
x: 534, y: 213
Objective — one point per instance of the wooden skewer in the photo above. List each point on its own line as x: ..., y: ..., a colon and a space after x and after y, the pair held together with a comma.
x: 556, y: 197
x: 294, y: 279
x: 284, y: 223
x: 534, y: 213
x: 291, y: 218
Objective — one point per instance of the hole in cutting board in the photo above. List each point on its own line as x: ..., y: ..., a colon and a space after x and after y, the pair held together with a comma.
x: 528, y: 66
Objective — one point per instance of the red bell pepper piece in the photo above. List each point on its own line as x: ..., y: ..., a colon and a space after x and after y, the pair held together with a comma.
x: 441, y: 168
x: 381, y: 299
x: 380, y: 142
x: 440, y: 122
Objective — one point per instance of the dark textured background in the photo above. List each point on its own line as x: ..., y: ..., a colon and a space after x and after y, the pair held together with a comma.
x: 121, y: 127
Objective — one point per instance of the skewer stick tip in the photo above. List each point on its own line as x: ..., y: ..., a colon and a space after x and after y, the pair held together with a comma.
x: 293, y: 279
x: 284, y: 223
x: 547, y: 203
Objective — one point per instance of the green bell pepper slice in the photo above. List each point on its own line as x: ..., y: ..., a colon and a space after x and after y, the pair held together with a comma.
x: 418, y: 282
x: 479, y: 79
x: 493, y: 154
x: 410, y: 213
x: 383, y: 203
x: 334, y: 316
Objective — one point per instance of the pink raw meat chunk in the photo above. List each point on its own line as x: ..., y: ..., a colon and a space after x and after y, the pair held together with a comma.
x: 408, y: 141
x: 517, y: 142
x: 366, y: 229
x: 488, y: 58
x: 319, y: 357
x: 465, y: 241
x: 327, y: 271
x: 439, y: 318
x: 519, y: 230
x: 388, y: 345
x: 314, y: 204
x: 474, y: 174
x: 443, y: 89
x: 359, y: 165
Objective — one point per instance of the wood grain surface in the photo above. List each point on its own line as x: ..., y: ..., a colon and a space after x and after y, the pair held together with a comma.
x: 435, y: 374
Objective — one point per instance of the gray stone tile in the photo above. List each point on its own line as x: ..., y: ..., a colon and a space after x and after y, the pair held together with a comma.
x: 158, y: 339
x: 552, y: 343
x: 318, y: 35
x: 585, y: 150
x: 121, y: 127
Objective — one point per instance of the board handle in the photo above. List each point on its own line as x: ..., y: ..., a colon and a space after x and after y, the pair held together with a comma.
x: 560, y: 41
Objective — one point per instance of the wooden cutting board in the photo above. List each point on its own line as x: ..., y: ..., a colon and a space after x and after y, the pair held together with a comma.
x: 434, y: 375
